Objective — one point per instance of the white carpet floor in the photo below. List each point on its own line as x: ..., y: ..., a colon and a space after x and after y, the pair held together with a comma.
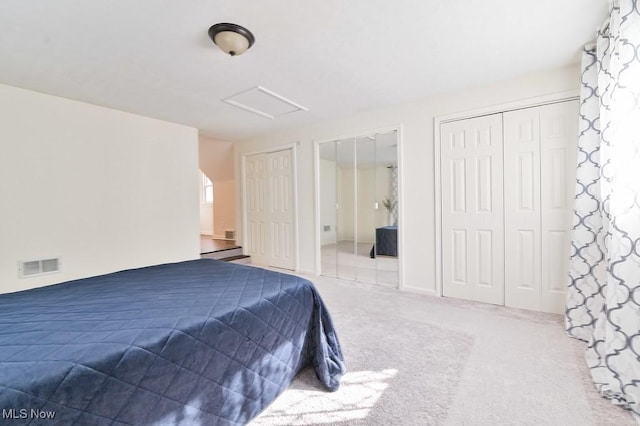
x: 350, y: 261
x: 420, y: 360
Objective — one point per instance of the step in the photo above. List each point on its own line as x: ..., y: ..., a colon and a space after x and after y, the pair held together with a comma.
x: 241, y: 259
x: 221, y: 254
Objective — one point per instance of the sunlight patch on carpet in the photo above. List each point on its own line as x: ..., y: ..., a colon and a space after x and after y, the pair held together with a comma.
x: 306, y: 404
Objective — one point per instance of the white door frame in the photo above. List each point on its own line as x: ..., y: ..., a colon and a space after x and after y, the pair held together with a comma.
x: 317, y: 221
x: 294, y: 170
x: 568, y: 95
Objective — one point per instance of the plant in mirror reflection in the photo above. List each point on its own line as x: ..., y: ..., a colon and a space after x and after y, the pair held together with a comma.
x: 389, y: 204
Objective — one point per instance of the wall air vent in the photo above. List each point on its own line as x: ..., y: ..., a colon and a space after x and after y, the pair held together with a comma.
x: 264, y: 102
x: 32, y: 268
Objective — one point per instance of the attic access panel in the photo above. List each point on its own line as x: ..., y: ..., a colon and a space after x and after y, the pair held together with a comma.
x: 264, y: 102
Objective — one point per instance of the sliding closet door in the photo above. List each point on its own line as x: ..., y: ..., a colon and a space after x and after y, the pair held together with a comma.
x: 366, y: 205
x: 522, y: 208
x: 386, y: 217
x: 472, y: 209
x: 558, y: 150
x: 328, y: 208
x: 358, y: 209
x: 347, y: 211
x: 338, y: 195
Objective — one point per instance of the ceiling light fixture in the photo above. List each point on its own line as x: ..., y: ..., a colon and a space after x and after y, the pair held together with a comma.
x: 233, y: 39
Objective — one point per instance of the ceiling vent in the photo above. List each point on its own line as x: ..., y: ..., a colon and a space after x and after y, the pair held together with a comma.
x: 30, y: 268
x: 264, y: 102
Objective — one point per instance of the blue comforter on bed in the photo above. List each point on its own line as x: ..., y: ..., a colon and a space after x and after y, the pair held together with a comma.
x: 199, y: 342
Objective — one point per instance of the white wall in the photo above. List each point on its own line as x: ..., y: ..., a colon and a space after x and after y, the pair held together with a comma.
x: 416, y: 162
x: 328, y: 200
x: 102, y: 189
x: 346, y: 203
x: 216, y: 161
x: 206, y: 211
x: 215, y: 158
x: 224, y: 207
x: 374, y: 185
x: 206, y: 219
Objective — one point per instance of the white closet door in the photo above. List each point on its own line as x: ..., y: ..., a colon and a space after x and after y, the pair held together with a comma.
x: 558, y: 150
x: 280, y: 209
x: 522, y: 208
x: 256, y: 208
x: 472, y: 209
x: 540, y: 153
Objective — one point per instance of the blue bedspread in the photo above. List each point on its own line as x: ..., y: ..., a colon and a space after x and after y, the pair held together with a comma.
x: 199, y: 342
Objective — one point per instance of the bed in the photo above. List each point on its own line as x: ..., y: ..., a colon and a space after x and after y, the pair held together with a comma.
x: 198, y: 342
x: 386, y: 242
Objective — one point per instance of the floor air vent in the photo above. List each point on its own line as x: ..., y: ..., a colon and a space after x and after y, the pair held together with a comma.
x: 32, y: 268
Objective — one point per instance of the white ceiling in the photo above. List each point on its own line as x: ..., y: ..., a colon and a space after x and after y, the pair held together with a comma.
x: 335, y: 57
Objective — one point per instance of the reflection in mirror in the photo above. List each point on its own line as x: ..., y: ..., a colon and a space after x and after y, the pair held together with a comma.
x: 366, y: 207
x: 358, y: 208
x: 345, y: 165
x: 328, y: 208
x: 386, y: 239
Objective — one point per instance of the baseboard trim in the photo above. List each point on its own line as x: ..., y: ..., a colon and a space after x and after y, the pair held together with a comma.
x: 417, y: 290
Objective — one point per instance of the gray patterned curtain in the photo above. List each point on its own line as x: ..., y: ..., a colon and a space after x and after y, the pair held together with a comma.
x: 603, y: 302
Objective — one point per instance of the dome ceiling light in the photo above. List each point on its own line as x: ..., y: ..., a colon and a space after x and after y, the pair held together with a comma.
x: 233, y: 39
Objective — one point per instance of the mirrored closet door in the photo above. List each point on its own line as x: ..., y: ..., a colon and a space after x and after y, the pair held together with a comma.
x: 358, y: 208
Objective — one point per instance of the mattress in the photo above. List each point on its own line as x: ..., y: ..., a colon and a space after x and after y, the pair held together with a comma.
x: 386, y: 242
x: 198, y: 342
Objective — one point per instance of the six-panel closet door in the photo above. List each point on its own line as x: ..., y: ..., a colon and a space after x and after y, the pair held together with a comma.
x: 523, y: 228
x: 280, y: 209
x: 256, y: 172
x: 540, y: 162
x: 270, y: 219
x: 507, y: 186
x: 558, y: 153
x: 472, y: 210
